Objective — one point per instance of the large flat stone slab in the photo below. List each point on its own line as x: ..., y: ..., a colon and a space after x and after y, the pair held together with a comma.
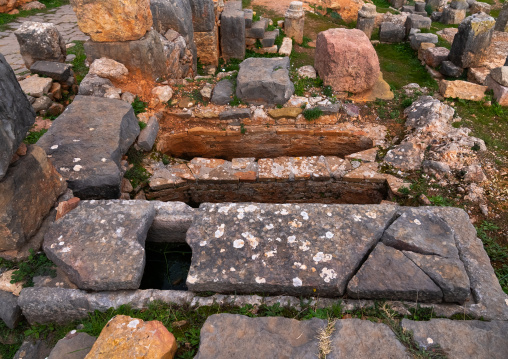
x: 100, y: 244
x: 87, y: 142
x: 16, y: 115
x: 230, y: 336
x: 462, y: 339
x: 283, y: 249
x: 27, y: 193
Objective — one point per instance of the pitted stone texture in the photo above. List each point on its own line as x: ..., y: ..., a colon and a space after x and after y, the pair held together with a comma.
x: 346, y: 60
x: 462, y: 338
x: 109, y: 69
x: 502, y: 19
x: 93, y: 85
x: 473, y: 38
x: 16, y: 115
x: 264, y: 81
x: 40, y: 41
x: 230, y: 336
x: 36, y: 86
x: 389, y: 274
x: 315, y: 248
x: 27, y: 193
x: 100, y: 244
x: 113, y: 20
x: 391, y: 32
x: 87, y: 142
x: 360, y: 339
x: 126, y: 337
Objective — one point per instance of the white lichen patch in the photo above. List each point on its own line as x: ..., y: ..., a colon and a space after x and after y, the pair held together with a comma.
x: 260, y: 280
x: 271, y: 253
x: 224, y: 209
x: 77, y: 168
x: 417, y: 222
x: 77, y: 159
x: 297, y: 282
x: 238, y: 243
x: 295, y: 223
x: 329, y: 214
x: 54, y: 147
x: 241, y: 215
x: 291, y: 239
x: 305, y: 246
x: 251, y: 208
x: 304, y: 215
x: 220, y: 231
x: 133, y: 323
x: 371, y: 215
x: 321, y: 257
x: 269, y: 226
x: 203, y: 243
x: 300, y: 265
x: 430, y: 341
x: 232, y: 269
x: 329, y: 235
x: 192, y: 279
x: 66, y: 249
x: 357, y: 218
x: 253, y: 241
x: 327, y: 274
x: 222, y: 250
x: 255, y: 256
x: 284, y: 212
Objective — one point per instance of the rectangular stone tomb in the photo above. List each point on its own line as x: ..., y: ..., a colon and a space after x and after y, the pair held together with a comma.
x: 366, y: 252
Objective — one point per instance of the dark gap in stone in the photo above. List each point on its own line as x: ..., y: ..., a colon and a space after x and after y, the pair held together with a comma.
x: 167, y: 266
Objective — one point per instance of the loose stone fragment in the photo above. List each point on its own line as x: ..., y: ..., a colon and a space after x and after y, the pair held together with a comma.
x: 55, y: 70
x: 315, y: 248
x: 462, y: 89
x: 100, y: 244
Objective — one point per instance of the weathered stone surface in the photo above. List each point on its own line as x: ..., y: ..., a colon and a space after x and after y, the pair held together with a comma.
x: 421, y: 233
x: 391, y: 32
x: 222, y: 92
x: 435, y: 56
x: 93, y: 85
x: 479, y: 6
x: 36, y: 86
x: 421, y: 38
x: 269, y: 38
x: 10, y: 312
x: 40, y: 41
x: 100, y: 244
x: 473, y: 38
x: 56, y: 70
x: 257, y: 30
x: 27, y: 193
x: 502, y: 19
x: 389, y: 274
x: 73, y: 346
x: 462, y: 338
x: 346, y: 60
x: 87, y: 142
x: 232, y: 40
x: 462, y: 89
x: 16, y: 115
x: 500, y: 75
x: 359, y: 339
x: 236, y: 246
x: 171, y: 222
x: 286, y: 47
x: 109, y: 69
x: 500, y: 92
x: 148, y: 135
x: 415, y: 21
x: 126, y: 337
x: 113, y: 20
x: 285, y: 112
x: 146, y: 55
x: 264, y: 81
x: 203, y: 15
x: 32, y: 350
x: 235, y: 114
x: 294, y: 21
x: 452, y: 16
x: 406, y: 156
x: 449, y: 69
x: 230, y: 336
x: 307, y: 71
x: 207, y: 44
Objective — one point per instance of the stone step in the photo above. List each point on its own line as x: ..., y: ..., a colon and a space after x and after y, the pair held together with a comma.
x: 314, y: 249
x: 269, y: 39
x: 257, y: 30
x: 231, y: 336
x: 87, y: 142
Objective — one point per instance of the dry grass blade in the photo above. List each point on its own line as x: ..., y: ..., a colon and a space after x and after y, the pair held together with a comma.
x: 325, y: 344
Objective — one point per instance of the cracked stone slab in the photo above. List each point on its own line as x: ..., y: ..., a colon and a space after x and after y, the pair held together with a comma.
x: 462, y: 339
x: 100, y: 244
x: 281, y: 249
x: 389, y: 274
x: 87, y: 142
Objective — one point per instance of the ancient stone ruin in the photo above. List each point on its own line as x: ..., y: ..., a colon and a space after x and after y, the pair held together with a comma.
x: 226, y: 179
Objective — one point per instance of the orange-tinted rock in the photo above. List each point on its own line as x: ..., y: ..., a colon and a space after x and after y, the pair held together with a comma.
x: 9, y: 5
x: 346, y: 60
x: 126, y: 337
x: 347, y: 9
x: 113, y: 20
x: 65, y: 207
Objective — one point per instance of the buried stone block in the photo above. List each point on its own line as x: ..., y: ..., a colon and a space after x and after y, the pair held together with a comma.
x: 452, y: 16
x: 40, y: 42
x: 73, y: 346
x: 16, y: 115
x: 113, y: 20
x: 414, y: 21
x: 391, y: 32
x: 471, y: 41
x: 100, y: 244
x: 264, y: 81
x: 417, y: 39
x: 236, y: 246
x: 500, y: 91
x: 86, y: 144
x: 207, y: 44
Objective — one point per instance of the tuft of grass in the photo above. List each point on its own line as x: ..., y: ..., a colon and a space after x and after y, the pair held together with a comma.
x: 142, y: 125
x: 78, y: 64
x: 33, y: 137
x: 37, y: 264
x: 137, y: 174
x: 312, y: 113
x: 139, y: 106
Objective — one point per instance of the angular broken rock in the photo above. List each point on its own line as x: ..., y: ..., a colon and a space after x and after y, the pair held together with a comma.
x: 230, y: 336
x: 315, y: 248
x: 73, y: 346
x: 27, y: 193
x: 100, y: 244
x: 86, y: 144
x: 126, y: 337
x: 16, y: 115
x: 108, y: 68
x: 389, y: 274
x: 462, y: 338
x: 113, y: 20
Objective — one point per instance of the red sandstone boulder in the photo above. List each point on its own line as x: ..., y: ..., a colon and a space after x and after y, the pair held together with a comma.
x: 346, y: 60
